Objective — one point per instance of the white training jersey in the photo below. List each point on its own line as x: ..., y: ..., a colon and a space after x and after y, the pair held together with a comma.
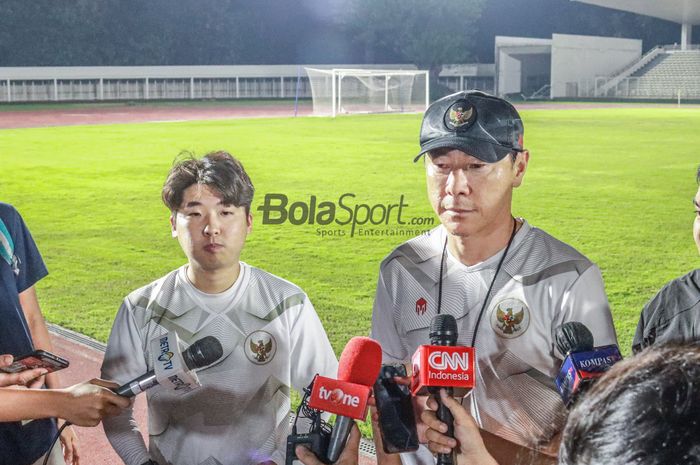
x: 542, y: 284
x: 272, y: 340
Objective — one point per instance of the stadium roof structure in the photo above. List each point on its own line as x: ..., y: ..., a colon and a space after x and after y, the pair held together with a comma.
x: 684, y: 12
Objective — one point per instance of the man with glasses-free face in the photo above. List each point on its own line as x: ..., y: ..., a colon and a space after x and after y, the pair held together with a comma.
x: 507, y: 283
x: 271, y: 337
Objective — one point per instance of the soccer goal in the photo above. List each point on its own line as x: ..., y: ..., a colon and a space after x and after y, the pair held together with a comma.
x: 339, y: 91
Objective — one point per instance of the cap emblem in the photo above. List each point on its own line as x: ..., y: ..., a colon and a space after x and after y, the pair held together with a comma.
x: 460, y: 115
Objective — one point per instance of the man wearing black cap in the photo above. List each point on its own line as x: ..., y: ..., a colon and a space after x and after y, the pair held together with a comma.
x: 508, y: 284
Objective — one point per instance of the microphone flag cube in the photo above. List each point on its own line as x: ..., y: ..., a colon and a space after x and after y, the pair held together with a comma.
x: 442, y: 366
x: 340, y: 397
x: 581, y: 368
x: 169, y: 365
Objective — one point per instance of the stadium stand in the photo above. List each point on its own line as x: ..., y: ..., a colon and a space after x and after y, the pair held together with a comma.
x: 670, y: 73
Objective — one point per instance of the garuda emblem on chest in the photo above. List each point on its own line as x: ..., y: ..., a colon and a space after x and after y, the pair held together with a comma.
x: 261, y: 349
x: 507, y: 321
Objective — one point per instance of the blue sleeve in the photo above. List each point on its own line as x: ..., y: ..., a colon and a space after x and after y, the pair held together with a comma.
x: 27, y: 265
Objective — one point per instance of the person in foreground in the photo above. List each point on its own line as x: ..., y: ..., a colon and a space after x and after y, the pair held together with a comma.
x: 508, y: 284
x: 271, y: 336
x: 22, y: 331
x: 644, y: 410
x: 84, y: 404
x: 673, y: 314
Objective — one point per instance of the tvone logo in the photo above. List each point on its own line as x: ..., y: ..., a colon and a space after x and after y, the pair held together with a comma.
x: 444, y: 360
x: 338, y: 397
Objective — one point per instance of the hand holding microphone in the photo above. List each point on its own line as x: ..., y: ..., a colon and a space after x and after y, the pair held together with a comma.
x: 467, y: 443
x: 443, y: 364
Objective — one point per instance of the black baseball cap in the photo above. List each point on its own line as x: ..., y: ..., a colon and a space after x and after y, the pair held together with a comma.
x: 479, y: 124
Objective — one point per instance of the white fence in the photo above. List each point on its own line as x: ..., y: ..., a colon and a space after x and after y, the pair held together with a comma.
x: 63, y: 84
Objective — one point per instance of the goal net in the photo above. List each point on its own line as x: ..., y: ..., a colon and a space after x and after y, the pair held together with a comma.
x: 340, y: 91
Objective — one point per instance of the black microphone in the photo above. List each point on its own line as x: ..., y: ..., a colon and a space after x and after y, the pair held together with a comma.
x: 583, y: 362
x: 200, y: 354
x: 443, y: 332
x: 573, y: 336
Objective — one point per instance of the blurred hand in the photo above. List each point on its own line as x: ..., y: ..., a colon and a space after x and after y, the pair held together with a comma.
x: 348, y: 457
x: 87, y: 403
x: 467, y: 441
x: 28, y: 378
x: 69, y: 441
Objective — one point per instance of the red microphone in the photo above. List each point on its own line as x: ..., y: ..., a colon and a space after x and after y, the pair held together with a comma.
x: 358, y: 369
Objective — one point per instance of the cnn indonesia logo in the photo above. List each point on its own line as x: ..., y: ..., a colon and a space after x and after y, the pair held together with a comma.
x: 449, y: 366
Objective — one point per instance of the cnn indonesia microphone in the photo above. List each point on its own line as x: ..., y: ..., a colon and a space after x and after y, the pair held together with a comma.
x: 358, y: 369
x: 173, y: 368
x: 583, y: 363
x: 443, y: 364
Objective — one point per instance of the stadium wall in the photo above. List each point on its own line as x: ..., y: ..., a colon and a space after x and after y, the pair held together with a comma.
x: 580, y: 59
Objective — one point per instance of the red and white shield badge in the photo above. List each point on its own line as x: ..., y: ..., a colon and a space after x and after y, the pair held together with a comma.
x: 421, y: 306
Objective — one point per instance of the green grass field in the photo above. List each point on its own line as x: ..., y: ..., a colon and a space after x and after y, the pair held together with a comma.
x: 616, y: 183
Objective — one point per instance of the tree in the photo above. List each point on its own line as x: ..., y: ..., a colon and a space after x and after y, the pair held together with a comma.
x: 426, y: 33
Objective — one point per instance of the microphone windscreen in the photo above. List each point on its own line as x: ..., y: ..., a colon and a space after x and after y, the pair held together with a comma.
x: 573, y: 336
x: 360, y: 361
x: 443, y: 327
x: 203, y: 352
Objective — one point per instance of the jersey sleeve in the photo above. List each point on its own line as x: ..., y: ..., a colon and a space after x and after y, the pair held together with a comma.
x: 30, y: 267
x: 123, y: 362
x: 585, y: 301
x: 311, y: 351
x: 384, y: 328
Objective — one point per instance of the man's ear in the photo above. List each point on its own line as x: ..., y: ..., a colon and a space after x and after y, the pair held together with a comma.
x: 249, y: 220
x: 173, y: 224
x: 520, y: 166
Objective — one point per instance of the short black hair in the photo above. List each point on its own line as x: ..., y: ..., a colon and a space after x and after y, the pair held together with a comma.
x: 644, y: 410
x: 697, y: 176
x: 219, y: 170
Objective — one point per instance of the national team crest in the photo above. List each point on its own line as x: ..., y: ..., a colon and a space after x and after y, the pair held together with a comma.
x: 460, y: 115
x: 421, y: 306
x: 260, y: 347
x: 510, y: 318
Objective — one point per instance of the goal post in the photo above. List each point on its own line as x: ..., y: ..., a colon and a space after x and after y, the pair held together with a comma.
x: 344, y: 91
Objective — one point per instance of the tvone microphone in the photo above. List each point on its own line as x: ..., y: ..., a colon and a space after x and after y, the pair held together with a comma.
x: 169, y: 363
x: 347, y: 396
x: 583, y: 363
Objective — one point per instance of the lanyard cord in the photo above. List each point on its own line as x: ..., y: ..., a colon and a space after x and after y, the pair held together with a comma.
x: 493, y: 281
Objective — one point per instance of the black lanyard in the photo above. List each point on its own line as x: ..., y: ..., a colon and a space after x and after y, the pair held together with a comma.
x: 493, y: 281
